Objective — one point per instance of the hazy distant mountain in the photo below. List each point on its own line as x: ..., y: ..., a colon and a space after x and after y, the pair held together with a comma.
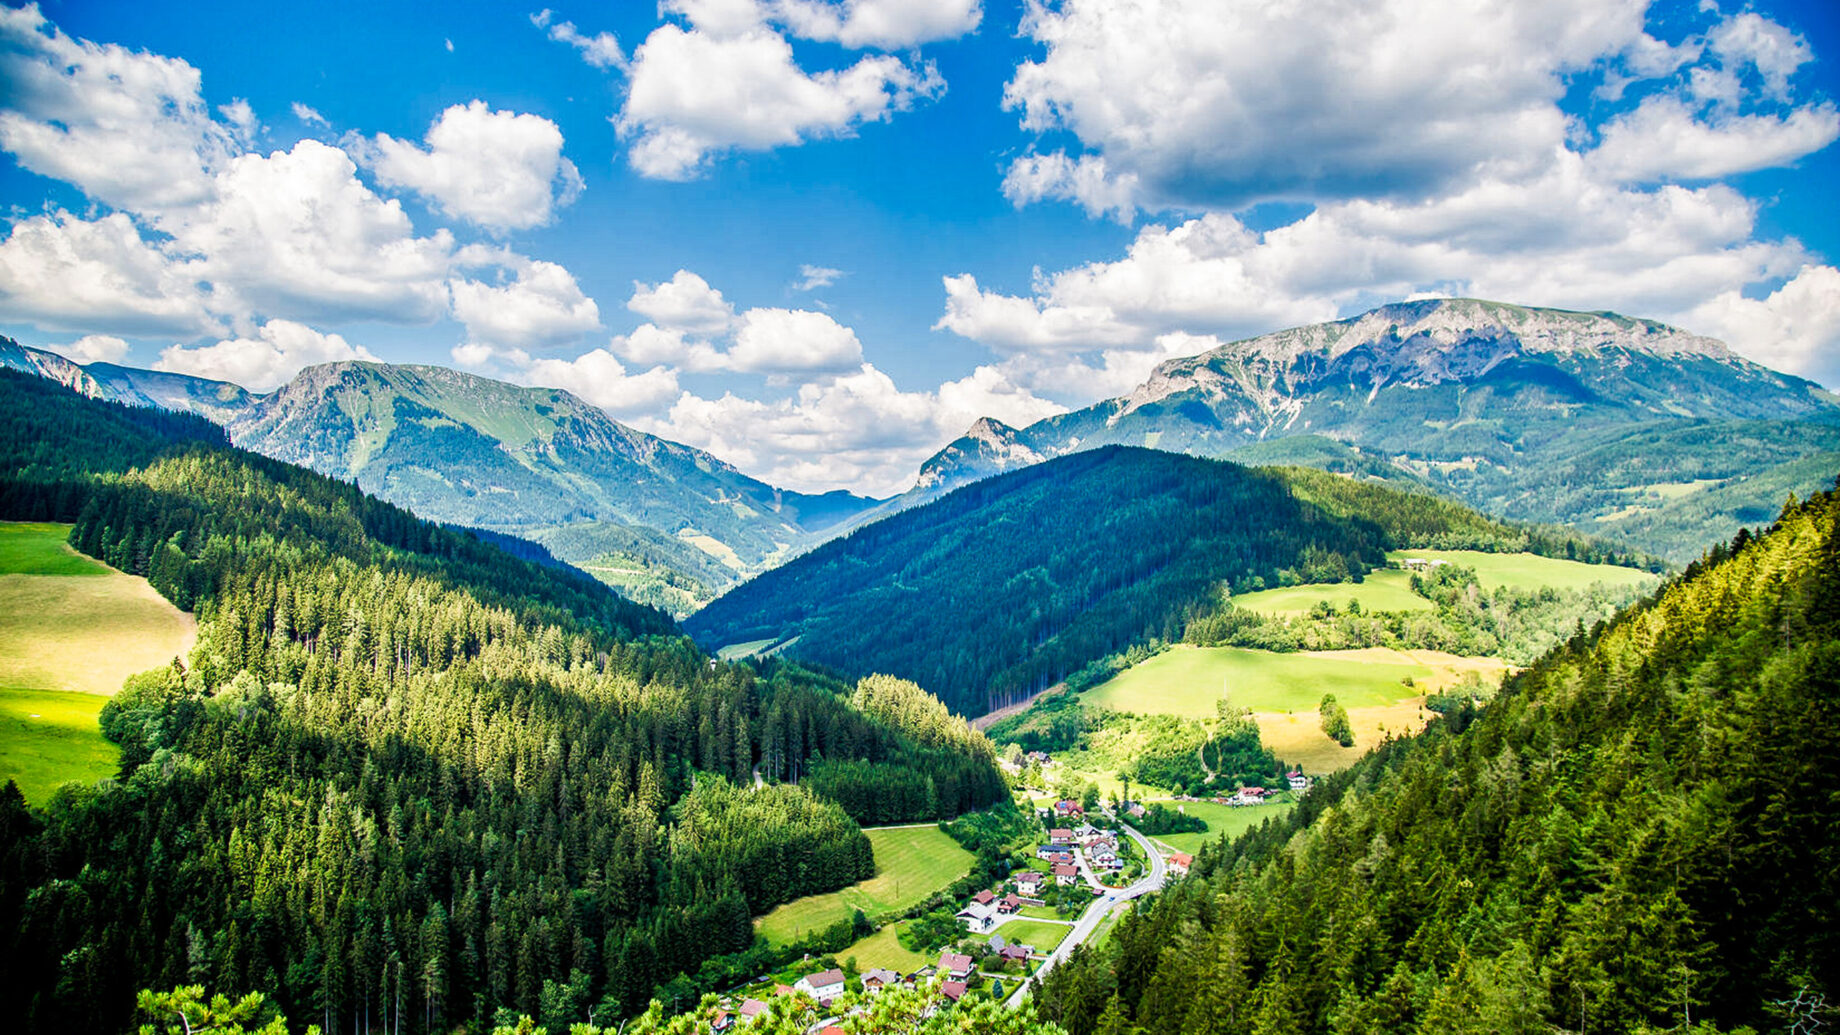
x: 1601, y: 421
x: 668, y: 524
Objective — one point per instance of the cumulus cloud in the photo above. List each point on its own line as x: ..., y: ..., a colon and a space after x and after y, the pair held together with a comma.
x: 1222, y: 105
x: 542, y: 307
x: 93, y: 348
x: 597, y: 376
x: 729, y: 82
x: 127, y: 128
x: 1795, y: 328
x: 686, y: 302
x: 785, y: 340
x: 856, y: 429
x: 1085, y: 181
x: 885, y: 24
x: 280, y: 349
x: 1566, y: 238
x: 1749, y: 39
x: 499, y: 169
x: 601, y: 50
x: 812, y: 277
x: 295, y: 234
x: 64, y: 273
x: 1665, y: 139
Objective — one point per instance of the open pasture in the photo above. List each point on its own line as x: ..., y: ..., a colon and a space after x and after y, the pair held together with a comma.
x: 1530, y: 571
x: 910, y: 864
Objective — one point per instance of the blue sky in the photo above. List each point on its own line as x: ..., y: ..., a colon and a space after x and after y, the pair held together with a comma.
x: 820, y: 238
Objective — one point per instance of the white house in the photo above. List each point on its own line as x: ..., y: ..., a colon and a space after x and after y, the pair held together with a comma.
x: 823, y: 986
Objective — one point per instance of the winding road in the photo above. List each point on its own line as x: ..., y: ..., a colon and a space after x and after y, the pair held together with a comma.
x: 1096, y: 913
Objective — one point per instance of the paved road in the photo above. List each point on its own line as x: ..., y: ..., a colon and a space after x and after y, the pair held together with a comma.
x: 1101, y: 908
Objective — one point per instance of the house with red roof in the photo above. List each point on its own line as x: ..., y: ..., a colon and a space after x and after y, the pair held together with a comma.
x: 956, y: 966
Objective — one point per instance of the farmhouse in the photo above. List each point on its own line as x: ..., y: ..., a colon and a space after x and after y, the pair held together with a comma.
x: 1065, y: 874
x: 1180, y: 862
x: 953, y: 990
x: 956, y: 966
x: 1103, y: 857
x: 983, y: 898
x: 1298, y: 781
x: 1029, y: 882
x: 823, y: 986
x: 751, y: 1008
x: 1422, y: 563
x: 1068, y: 807
x: 1249, y: 796
x: 1014, y: 953
x: 1009, y: 904
x: 875, y: 980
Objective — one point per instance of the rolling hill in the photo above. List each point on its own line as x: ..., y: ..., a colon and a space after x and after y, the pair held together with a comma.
x: 666, y: 524
x: 1640, y: 830
x: 1623, y: 428
x: 1009, y: 585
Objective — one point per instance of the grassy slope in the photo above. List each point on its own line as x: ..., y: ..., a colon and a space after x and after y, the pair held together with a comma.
x: 910, y: 864
x: 1230, y: 820
x: 1388, y: 590
x: 1044, y: 936
x: 71, y: 629
x: 1528, y: 571
x: 1188, y: 680
x: 49, y: 737
x: 881, y: 949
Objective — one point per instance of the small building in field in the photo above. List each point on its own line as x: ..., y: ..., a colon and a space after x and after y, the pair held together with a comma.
x: 1298, y: 781
x: 1180, y: 862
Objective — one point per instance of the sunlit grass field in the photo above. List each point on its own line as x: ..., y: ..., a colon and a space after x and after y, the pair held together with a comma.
x: 1386, y: 590
x: 910, y: 864
x: 1530, y: 571
x: 71, y: 629
x: 1231, y: 820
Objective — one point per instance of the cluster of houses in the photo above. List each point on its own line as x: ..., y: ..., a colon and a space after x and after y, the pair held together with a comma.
x: 825, y: 986
x: 1065, y: 846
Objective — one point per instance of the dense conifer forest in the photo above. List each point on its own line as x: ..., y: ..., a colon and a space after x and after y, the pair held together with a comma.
x: 407, y: 780
x: 1012, y: 584
x: 1638, y: 834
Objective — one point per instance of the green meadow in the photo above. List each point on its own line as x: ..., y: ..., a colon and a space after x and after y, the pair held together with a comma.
x: 883, y: 949
x: 1188, y: 680
x: 1530, y: 571
x: 1042, y: 935
x: 1231, y: 820
x: 1387, y: 590
x: 49, y: 737
x: 910, y: 864
x: 71, y: 629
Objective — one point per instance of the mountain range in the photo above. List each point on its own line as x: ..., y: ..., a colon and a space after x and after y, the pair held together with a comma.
x: 665, y: 523
x: 1620, y: 427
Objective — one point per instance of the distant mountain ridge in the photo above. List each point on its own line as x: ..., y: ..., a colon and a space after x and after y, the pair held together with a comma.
x: 1479, y: 399
x: 668, y: 524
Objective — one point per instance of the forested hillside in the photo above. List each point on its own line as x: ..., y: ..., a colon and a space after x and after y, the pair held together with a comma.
x: 1009, y: 585
x: 405, y: 778
x: 1639, y: 834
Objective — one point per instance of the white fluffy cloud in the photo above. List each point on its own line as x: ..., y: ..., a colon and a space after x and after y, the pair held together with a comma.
x: 93, y: 348
x: 65, y: 273
x: 1795, y: 328
x: 885, y: 24
x: 856, y: 429
x: 596, y: 376
x: 280, y: 349
x: 129, y: 129
x: 499, y: 169
x: 1217, y: 104
x: 1664, y: 139
x: 1566, y: 238
x: 730, y: 82
x: 542, y: 307
x: 786, y: 340
x: 295, y: 234
x: 686, y: 302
